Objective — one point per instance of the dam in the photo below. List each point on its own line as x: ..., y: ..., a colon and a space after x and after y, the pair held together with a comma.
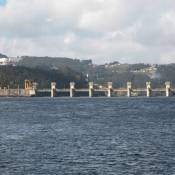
x: 31, y: 90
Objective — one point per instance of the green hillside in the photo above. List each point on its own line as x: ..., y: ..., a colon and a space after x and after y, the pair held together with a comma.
x: 3, y: 56
x: 55, y: 63
x: 118, y: 73
x: 14, y: 76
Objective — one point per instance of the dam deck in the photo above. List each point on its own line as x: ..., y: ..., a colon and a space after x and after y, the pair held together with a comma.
x: 31, y: 89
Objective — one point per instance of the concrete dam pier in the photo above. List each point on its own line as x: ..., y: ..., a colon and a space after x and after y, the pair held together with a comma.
x: 108, y: 91
x: 32, y: 90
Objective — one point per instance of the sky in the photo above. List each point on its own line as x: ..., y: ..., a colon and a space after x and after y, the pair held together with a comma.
x: 2, y: 2
x: 129, y: 31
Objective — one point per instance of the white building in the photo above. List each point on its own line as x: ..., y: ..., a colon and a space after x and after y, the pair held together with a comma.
x: 4, y: 61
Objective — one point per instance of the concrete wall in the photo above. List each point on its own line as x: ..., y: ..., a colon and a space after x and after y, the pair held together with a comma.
x: 13, y: 92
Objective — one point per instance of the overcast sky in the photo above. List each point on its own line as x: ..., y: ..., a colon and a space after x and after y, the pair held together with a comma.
x: 102, y: 30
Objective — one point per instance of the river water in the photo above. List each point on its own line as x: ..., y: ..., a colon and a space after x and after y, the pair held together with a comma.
x: 82, y: 136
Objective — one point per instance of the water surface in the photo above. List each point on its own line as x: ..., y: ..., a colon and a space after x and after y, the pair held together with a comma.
x: 82, y: 136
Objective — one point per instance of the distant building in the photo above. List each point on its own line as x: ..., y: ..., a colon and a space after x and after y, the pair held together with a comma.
x: 151, y: 69
x: 4, y: 61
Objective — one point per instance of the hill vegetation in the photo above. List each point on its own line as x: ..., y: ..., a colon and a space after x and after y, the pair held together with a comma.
x: 3, y: 56
x: 118, y: 73
x: 63, y: 70
x: 57, y: 63
x: 14, y: 76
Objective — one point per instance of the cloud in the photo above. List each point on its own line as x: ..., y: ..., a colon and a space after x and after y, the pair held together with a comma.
x: 137, y: 31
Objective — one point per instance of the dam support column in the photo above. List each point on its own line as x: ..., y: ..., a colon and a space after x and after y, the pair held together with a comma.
x: 33, y: 90
x: 53, y: 89
x: 72, y: 89
x: 168, y: 88
x: 148, y: 89
x: 30, y: 88
x: 129, y: 89
x: 91, y: 89
x: 110, y: 89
